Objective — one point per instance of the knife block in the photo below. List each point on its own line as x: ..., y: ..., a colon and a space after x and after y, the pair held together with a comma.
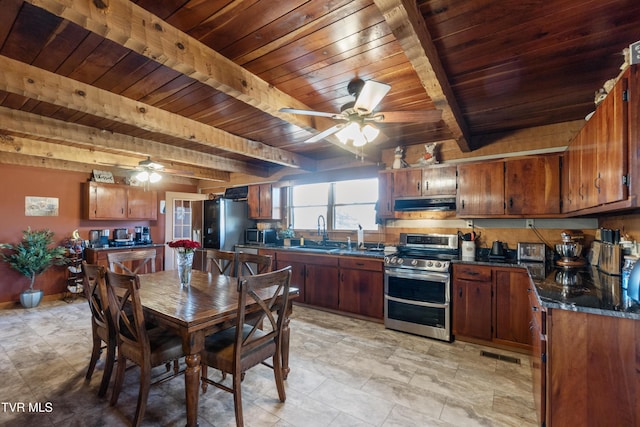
x: 610, y: 261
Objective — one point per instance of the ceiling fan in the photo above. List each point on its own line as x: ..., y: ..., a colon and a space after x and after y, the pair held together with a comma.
x: 357, y: 116
x: 149, y: 171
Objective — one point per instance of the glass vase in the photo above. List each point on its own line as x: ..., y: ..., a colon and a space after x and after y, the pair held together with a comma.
x: 185, y: 263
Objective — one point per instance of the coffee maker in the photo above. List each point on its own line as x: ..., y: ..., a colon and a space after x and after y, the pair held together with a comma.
x: 142, y: 236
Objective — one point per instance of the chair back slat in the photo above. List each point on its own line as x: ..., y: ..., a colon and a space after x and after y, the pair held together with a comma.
x: 252, y: 264
x: 132, y: 262
x: 270, y: 307
x: 221, y: 262
x: 126, y: 312
x: 92, y: 278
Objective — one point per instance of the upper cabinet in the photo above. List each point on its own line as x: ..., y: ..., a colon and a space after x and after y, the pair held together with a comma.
x: 598, y: 160
x: 113, y: 202
x: 385, y: 194
x: 264, y: 202
x: 439, y: 180
x: 532, y: 185
x: 516, y: 187
x: 480, y: 189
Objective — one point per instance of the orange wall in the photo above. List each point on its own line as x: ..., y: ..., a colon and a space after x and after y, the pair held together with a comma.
x: 18, y: 182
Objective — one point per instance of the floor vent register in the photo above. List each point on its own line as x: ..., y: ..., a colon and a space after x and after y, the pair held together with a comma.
x: 500, y: 357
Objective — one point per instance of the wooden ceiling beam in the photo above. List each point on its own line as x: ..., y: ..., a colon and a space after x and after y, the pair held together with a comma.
x: 406, y: 23
x: 43, y: 127
x: 12, y: 144
x: 26, y: 80
x: 135, y: 28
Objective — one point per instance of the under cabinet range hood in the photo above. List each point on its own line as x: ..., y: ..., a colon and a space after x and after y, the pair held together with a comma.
x: 446, y: 203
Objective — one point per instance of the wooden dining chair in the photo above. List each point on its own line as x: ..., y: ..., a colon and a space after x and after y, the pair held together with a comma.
x: 221, y: 262
x: 132, y: 262
x: 252, y: 264
x: 147, y: 348
x: 237, y: 349
x: 93, y: 281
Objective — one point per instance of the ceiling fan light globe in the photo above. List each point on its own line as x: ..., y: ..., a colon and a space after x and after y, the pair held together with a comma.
x: 154, y: 177
x: 370, y: 132
x: 359, y: 141
x: 143, y: 176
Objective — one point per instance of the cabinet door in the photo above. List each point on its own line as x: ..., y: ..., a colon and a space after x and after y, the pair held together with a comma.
x: 472, y: 309
x: 107, y: 202
x: 142, y: 204
x: 610, y: 134
x: 297, y: 276
x: 385, y: 194
x: 361, y: 287
x: 532, y: 185
x: 439, y: 180
x: 407, y: 182
x: 480, y: 189
x: 321, y: 286
x: 512, y: 307
x: 253, y: 201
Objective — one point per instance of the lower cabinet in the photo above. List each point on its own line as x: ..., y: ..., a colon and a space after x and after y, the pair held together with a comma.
x: 361, y: 287
x: 585, y: 369
x: 491, y: 304
x: 348, y: 284
x: 472, y: 302
x: 99, y: 256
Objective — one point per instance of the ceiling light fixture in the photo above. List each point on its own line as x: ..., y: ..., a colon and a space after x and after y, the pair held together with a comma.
x: 145, y: 176
x: 358, y: 135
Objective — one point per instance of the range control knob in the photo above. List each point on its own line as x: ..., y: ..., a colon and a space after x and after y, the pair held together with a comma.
x: 414, y: 262
x: 429, y: 263
x: 399, y: 261
x: 438, y: 264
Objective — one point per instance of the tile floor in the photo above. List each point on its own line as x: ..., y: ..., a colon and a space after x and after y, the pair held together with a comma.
x: 345, y: 372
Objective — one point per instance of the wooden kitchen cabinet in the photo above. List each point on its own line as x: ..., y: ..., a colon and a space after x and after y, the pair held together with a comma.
x: 99, y: 256
x: 439, y: 180
x: 361, y: 287
x: 532, y: 185
x: 598, y: 162
x: 115, y: 202
x: 315, y: 275
x: 407, y: 182
x: 472, y: 301
x: 512, y: 307
x: 142, y: 204
x: 264, y: 202
x: 491, y: 304
x: 537, y: 321
x: 385, y: 194
x: 480, y: 189
x: 591, y: 370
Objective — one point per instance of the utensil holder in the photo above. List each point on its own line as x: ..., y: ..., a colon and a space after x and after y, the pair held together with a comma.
x: 610, y: 260
x: 468, y: 250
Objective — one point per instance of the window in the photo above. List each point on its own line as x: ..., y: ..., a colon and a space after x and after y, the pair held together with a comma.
x: 343, y: 204
x: 182, y: 216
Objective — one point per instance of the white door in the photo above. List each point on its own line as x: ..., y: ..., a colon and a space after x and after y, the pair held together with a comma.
x: 179, y: 216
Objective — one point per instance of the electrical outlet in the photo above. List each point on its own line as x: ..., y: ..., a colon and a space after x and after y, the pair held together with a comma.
x: 469, y: 223
x: 529, y: 223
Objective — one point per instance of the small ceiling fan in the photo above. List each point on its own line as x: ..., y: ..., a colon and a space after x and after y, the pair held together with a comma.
x: 357, y: 116
x: 148, y: 171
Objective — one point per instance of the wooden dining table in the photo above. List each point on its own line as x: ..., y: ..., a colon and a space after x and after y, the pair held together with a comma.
x: 208, y: 305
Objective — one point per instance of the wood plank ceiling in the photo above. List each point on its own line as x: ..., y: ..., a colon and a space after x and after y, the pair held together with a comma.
x: 197, y: 85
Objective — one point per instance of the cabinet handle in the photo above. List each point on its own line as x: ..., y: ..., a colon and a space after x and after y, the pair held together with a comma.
x: 471, y: 273
x: 596, y: 182
x: 418, y: 185
x: 510, y: 202
x: 462, y: 204
x: 534, y: 308
x: 426, y: 185
x: 460, y: 292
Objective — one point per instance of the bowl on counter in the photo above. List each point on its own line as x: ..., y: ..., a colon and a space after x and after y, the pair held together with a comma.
x: 569, y: 249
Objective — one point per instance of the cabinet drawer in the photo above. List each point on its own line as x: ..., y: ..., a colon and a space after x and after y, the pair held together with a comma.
x: 361, y: 264
x: 472, y: 272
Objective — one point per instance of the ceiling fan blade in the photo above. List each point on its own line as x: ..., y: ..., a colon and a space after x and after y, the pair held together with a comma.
x: 310, y: 113
x: 370, y: 96
x: 424, y: 116
x: 325, y: 133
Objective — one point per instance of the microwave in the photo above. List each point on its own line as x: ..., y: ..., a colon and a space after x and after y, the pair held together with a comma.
x: 253, y: 236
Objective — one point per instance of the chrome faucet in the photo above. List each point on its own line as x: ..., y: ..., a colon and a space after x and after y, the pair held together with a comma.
x: 322, y: 231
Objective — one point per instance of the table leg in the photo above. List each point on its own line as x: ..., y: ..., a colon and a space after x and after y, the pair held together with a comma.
x: 192, y: 382
x: 285, y: 342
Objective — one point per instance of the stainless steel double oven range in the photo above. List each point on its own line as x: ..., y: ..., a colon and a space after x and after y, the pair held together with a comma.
x: 417, y: 285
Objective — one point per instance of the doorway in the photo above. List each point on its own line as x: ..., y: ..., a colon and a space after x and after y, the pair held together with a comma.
x: 183, y: 220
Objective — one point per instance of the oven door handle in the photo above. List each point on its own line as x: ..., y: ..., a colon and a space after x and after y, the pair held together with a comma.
x: 422, y: 275
x: 420, y: 303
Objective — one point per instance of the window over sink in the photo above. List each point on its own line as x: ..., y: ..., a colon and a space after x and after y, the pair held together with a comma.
x: 343, y: 204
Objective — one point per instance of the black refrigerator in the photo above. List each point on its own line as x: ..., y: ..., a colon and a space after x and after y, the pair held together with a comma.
x: 225, y: 221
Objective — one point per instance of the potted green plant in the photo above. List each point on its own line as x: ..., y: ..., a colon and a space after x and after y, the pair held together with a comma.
x: 32, y: 256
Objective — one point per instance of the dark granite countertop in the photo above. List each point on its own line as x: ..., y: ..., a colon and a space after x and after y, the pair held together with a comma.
x: 592, y: 292
x: 111, y: 248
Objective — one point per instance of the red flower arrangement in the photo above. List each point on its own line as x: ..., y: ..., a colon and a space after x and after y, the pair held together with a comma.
x: 184, y: 245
